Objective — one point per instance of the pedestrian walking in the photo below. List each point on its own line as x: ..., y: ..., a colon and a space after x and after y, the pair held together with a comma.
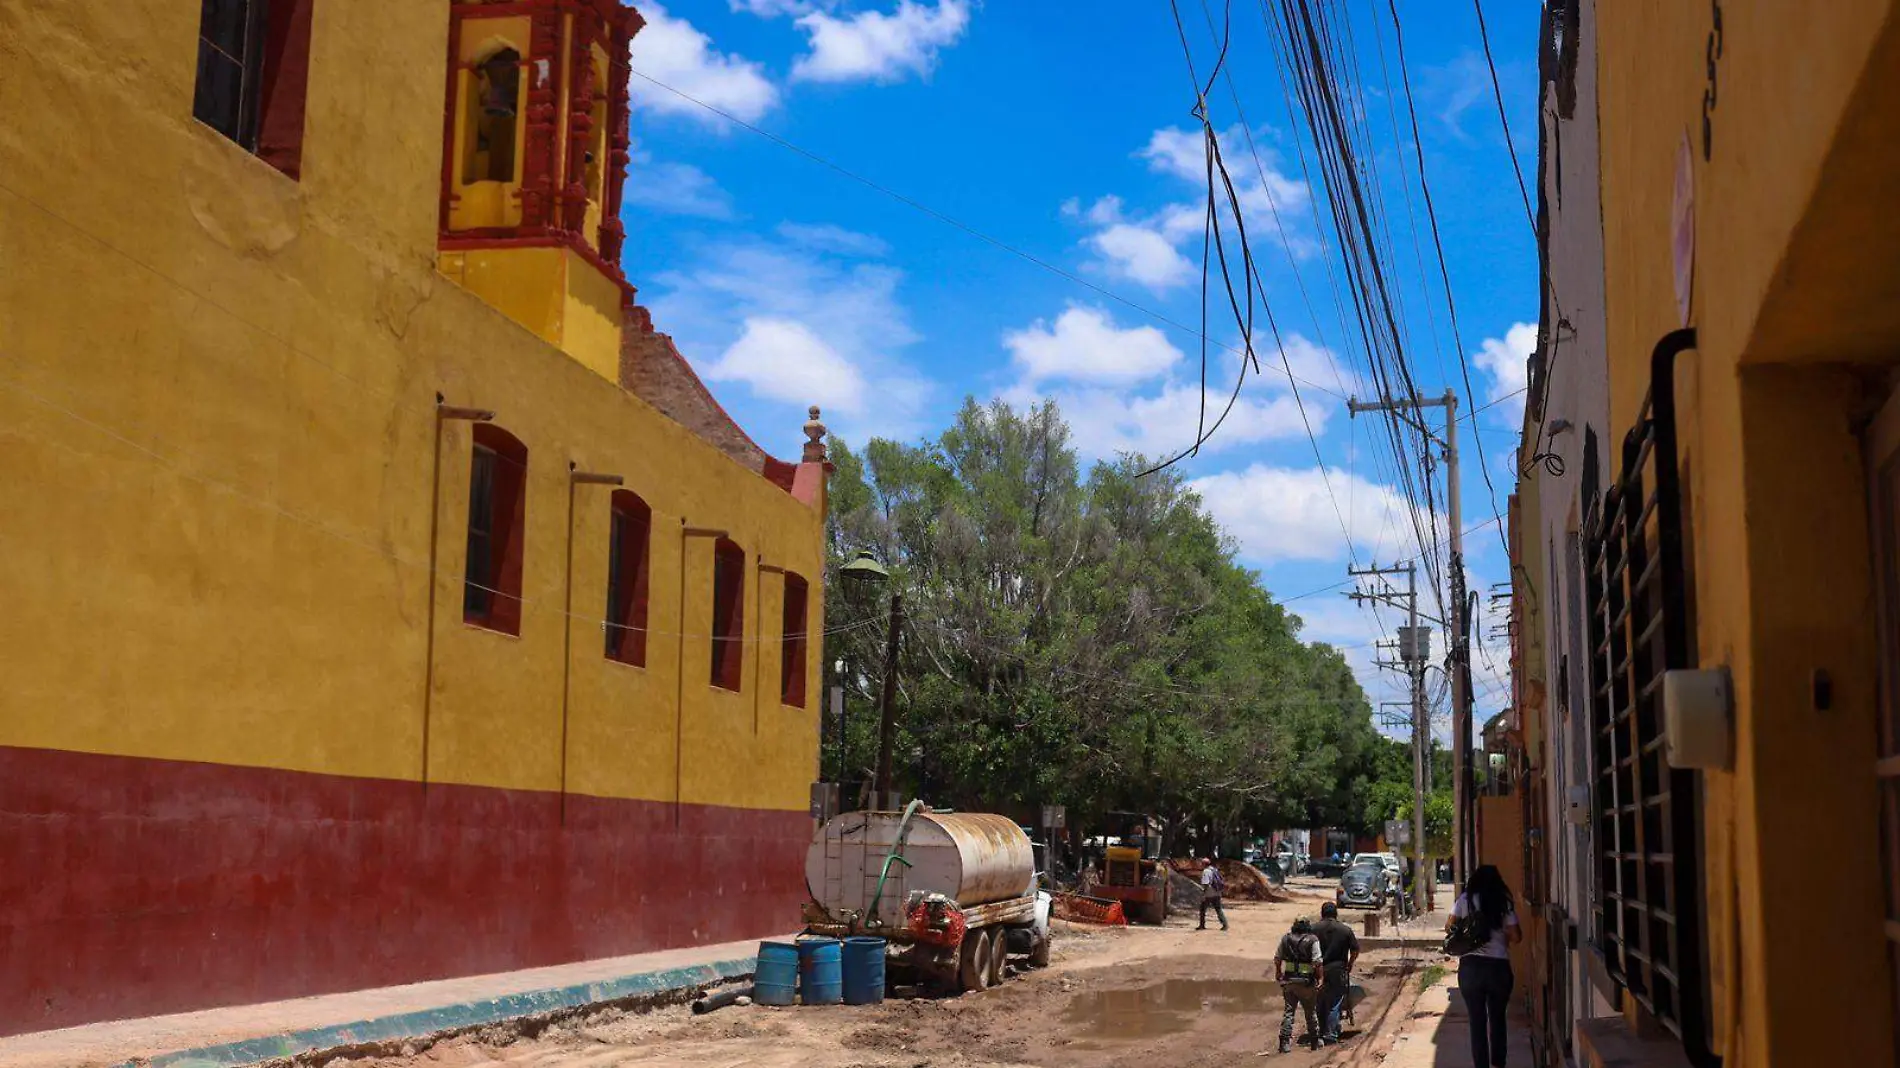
x: 1296, y: 967
x: 1485, y: 979
x: 1212, y: 883
x: 1339, y: 952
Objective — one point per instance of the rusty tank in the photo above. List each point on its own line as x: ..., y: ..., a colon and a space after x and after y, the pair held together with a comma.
x: 972, y: 858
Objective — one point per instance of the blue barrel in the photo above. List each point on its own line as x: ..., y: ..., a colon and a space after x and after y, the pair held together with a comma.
x: 820, y: 978
x: 863, y: 971
x: 775, y: 982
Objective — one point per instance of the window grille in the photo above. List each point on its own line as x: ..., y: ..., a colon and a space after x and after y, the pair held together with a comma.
x: 1645, y: 849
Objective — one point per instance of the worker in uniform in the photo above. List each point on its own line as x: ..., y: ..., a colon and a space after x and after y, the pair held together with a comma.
x: 1297, y: 968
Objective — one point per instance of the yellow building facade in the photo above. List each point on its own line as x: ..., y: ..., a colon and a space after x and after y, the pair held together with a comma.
x: 1746, y: 873
x: 302, y: 694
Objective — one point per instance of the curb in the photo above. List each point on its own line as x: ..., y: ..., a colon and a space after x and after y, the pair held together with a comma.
x: 449, y: 1017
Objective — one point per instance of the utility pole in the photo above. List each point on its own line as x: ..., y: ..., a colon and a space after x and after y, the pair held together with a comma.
x: 1414, y: 649
x: 1411, y: 410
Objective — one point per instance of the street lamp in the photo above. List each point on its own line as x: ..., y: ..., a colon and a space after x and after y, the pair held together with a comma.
x: 865, y: 572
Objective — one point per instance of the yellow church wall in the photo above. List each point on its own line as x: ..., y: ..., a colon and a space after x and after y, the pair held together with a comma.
x: 217, y: 403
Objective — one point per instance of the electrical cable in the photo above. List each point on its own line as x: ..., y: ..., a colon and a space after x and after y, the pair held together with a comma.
x: 947, y: 219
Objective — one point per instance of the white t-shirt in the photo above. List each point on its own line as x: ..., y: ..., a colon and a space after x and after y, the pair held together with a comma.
x: 1498, y: 947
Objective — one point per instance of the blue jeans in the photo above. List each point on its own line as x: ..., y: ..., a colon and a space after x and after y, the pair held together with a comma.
x: 1332, y: 1001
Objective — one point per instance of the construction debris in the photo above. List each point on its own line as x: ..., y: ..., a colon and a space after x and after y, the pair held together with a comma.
x: 1083, y: 909
x: 1244, y: 881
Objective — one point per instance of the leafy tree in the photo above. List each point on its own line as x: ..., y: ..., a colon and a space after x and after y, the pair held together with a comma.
x: 1088, y: 641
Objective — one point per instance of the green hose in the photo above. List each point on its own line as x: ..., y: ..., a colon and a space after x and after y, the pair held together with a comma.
x: 894, y: 856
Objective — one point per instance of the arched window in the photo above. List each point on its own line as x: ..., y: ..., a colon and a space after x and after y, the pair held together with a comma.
x: 497, y: 511
x: 792, y: 645
x: 728, y: 615
x: 493, y: 102
x: 627, y: 553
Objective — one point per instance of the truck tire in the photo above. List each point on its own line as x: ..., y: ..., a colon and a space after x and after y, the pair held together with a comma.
x: 999, y: 956
x: 1039, y: 954
x: 973, y: 961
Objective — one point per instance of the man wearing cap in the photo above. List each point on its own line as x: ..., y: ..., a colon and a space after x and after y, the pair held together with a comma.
x: 1339, y: 951
x: 1212, y: 883
x: 1296, y: 967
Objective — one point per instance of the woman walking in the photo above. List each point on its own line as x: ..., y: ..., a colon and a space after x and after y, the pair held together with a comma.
x: 1484, y: 974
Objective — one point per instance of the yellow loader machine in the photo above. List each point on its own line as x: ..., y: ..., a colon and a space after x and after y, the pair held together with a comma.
x: 1133, y: 871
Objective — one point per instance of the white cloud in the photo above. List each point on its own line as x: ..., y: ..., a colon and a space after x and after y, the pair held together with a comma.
x: 672, y: 51
x: 798, y: 326
x: 1507, y: 361
x: 785, y: 360
x: 1280, y: 513
x: 1085, y: 345
x: 674, y: 188
x: 825, y: 237
x: 1146, y: 249
x: 1141, y: 255
x: 1095, y: 371
x: 1107, y: 422
x: 767, y: 9
x: 874, y: 46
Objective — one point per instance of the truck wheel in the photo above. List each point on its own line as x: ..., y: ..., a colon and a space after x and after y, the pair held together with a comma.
x: 999, y: 956
x: 973, y: 962
x: 1039, y: 954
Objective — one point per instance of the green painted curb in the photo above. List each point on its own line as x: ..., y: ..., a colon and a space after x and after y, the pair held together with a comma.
x: 450, y: 1017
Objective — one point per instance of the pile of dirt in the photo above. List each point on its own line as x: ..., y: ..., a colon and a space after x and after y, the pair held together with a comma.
x: 1184, y: 890
x: 1244, y: 881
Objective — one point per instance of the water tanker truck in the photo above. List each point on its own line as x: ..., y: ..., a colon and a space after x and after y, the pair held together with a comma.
x: 953, y: 892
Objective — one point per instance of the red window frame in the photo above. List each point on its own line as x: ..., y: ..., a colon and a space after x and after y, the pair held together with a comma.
x: 628, y: 557
x: 254, y: 76
x: 728, y: 615
x: 793, y: 630
x: 497, y: 521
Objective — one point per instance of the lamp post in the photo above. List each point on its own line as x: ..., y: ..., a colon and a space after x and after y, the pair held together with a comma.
x: 866, y: 572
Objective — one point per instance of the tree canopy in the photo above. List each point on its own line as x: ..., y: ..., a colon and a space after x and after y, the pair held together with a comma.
x: 1087, y: 641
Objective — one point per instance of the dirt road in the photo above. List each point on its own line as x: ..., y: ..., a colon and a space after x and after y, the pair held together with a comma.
x: 1130, y: 997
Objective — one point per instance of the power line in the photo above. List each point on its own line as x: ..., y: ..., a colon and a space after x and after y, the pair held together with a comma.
x: 1497, y: 94
x: 950, y: 220
x: 1444, y: 273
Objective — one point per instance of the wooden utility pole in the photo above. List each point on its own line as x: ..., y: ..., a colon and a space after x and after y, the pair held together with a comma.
x: 1411, y: 411
x: 1414, y: 650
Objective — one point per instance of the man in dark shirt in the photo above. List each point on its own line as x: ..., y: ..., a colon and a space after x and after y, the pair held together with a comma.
x: 1339, y: 951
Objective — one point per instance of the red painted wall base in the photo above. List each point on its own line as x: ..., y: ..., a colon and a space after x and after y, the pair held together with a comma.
x: 133, y: 887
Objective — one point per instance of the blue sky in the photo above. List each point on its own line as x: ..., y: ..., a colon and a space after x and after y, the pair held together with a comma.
x: 1064, y: 131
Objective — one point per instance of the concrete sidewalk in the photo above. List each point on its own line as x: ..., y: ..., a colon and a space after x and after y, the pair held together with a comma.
x: 1439, y: 1033
x: 245, y: 1034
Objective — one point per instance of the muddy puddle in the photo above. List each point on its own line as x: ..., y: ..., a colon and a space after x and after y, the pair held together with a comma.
x: 1165, y: 1008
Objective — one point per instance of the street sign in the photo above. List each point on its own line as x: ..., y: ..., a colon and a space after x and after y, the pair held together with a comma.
x: 1398, y: 832
x: 1055, y: 817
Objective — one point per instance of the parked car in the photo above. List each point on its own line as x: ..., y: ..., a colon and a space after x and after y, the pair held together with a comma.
x: 1326, y: 867
x: 1364, y: 884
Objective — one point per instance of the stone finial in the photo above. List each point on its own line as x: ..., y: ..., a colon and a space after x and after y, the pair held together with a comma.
x: 815, y: 439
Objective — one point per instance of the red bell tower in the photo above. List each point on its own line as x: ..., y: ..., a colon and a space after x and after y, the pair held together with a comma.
x: 535, y: 151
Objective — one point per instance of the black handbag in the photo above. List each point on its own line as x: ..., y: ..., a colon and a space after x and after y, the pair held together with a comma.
x: 1462, y: 936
